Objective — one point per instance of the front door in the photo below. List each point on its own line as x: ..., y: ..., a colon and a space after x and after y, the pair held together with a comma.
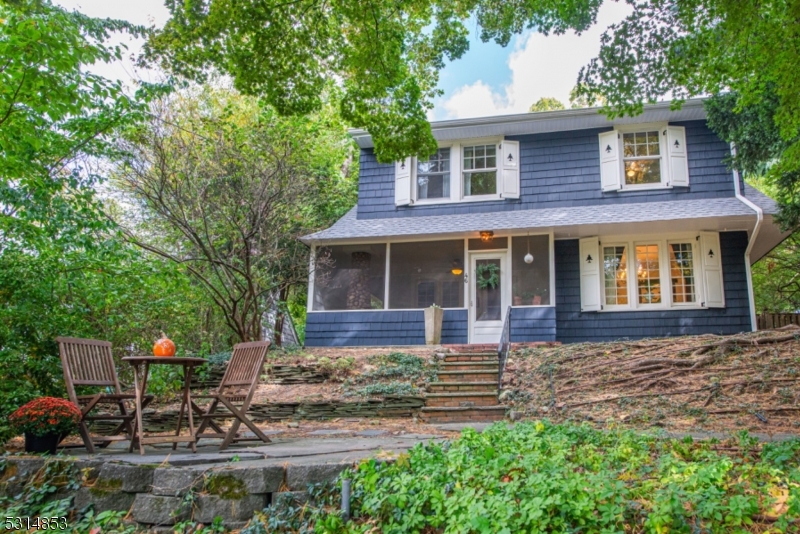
x: 487, y: 296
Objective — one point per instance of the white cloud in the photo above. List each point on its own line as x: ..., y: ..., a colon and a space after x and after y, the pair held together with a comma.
x: 541, y: 66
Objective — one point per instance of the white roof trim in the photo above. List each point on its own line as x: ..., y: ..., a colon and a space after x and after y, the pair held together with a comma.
x: 548, y: 121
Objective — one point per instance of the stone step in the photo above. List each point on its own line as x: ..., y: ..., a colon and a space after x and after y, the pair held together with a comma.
x: 479, y: 357
x: 470, y: 366
x: 437, y: 415
x: 467, y: 376
x: 461, y: 399
x: 441, y: 387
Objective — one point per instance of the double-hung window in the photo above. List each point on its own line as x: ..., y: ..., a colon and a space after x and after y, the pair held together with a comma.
x: 644, y: 156
x: 474, y: 170
x: 653, y: 273
x: 641, y: 155
x: 480, y: 170
x: 433, y: 176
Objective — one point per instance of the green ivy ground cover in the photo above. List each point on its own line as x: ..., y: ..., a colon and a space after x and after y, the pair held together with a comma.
x: 542, y: 477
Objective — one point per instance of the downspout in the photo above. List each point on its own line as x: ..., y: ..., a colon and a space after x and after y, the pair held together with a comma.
x: 753, y: 235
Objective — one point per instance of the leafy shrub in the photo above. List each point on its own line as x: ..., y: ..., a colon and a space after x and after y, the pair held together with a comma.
x: 336, y: 369
x: 540, y: 477
x: 287, y: 516
x: 396, y: 365
x: 381, y: 389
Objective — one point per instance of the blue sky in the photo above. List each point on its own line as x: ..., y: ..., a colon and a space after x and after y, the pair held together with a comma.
x: 487, y: 80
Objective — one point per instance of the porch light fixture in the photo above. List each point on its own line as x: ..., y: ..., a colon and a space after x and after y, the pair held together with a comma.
x: 529, y: 257
x: 457, y: 268
x: 486, y: 236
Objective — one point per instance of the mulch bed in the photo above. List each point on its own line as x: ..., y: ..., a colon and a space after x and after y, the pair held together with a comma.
x: 719, y: 383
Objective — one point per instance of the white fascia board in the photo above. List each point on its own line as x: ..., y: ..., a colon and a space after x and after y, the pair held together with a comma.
x: 548, y: 121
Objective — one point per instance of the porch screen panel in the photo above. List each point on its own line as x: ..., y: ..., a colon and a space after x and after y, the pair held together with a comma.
x: 530, y: 282
x: 421, y: 274
x: 350, y: 277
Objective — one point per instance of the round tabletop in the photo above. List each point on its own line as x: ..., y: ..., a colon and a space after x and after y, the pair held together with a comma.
x: 164, y: 360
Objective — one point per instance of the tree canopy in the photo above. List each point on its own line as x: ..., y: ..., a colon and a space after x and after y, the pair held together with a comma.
x: 546, y: 103
x: 224, y: 187
x: 387, y: 56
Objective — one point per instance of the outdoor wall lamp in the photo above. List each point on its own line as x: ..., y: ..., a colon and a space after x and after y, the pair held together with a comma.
x: 486, y: 236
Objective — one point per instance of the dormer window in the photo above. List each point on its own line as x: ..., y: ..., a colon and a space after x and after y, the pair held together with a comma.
x: 433, y: 176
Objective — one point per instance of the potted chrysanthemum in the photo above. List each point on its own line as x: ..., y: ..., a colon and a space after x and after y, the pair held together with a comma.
x: 45, y: 422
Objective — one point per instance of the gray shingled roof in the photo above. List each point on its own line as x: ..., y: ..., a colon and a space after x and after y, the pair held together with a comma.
x: 350, y: 227
x: 761, y: 200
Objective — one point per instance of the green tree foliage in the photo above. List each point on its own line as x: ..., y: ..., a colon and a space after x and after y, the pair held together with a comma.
x: 698, y: 47
x: 762, y: 151
x: 53, y: 115
x: 225, y: 187
x: 776, y: 278
x: 63, y: 270
x: 386, y: 55
x: 546, y: 103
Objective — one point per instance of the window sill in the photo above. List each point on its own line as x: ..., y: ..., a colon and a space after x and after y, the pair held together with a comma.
x: 606, y: 309
x: 630, y: 188
x: 465, y: 200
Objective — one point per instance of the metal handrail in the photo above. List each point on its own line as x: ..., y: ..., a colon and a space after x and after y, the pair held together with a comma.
x: 502, y: 349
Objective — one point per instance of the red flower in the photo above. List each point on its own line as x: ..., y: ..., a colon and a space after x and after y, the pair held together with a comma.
x: 46, y: 415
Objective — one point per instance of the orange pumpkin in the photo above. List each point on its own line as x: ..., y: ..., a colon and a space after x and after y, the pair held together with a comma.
x: 164, y: 346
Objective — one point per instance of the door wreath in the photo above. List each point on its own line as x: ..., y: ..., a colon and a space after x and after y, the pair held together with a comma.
x: 487, y: 275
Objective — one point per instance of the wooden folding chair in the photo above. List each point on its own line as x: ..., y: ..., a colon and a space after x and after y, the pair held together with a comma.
x: 237, y: 386
x: 88, y: 362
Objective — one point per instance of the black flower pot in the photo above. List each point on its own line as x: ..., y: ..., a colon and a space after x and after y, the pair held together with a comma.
x: 46, y: 443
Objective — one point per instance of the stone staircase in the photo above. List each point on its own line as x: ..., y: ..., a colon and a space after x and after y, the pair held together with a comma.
x: 466, y: 391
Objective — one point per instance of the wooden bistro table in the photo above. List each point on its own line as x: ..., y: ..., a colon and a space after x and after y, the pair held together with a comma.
x: 140, y: 385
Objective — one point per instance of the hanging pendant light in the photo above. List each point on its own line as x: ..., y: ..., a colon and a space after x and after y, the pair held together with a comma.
x: 529, y: 257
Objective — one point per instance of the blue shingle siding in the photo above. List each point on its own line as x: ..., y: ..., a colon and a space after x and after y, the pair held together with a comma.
x: 379, y: 328
x: 533, y: 324
x: 559, y: 169
x: 574, y: 326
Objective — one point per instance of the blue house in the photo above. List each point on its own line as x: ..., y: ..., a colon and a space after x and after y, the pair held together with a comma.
x: 588, y: 229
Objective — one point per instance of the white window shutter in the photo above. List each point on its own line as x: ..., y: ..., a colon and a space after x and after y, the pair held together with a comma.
x: 678, y: 161
x: 610, y: 166
x: 590, y: 274
x: 712, y: 270
x: 510, y: 169
x: 403, y: 174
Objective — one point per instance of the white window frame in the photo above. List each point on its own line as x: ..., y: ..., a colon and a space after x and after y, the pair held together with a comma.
x: 457, y: 174
x: 658, y: 127
x: 696, y: 259
x: 603, y: 245
x: 630, y: 242
x: 415, y: 189
x: 498, y: 156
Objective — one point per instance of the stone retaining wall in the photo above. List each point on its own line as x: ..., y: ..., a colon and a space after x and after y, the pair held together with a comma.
x: 209, y: 376
x: 166, y: 420
x: 159, y: 495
